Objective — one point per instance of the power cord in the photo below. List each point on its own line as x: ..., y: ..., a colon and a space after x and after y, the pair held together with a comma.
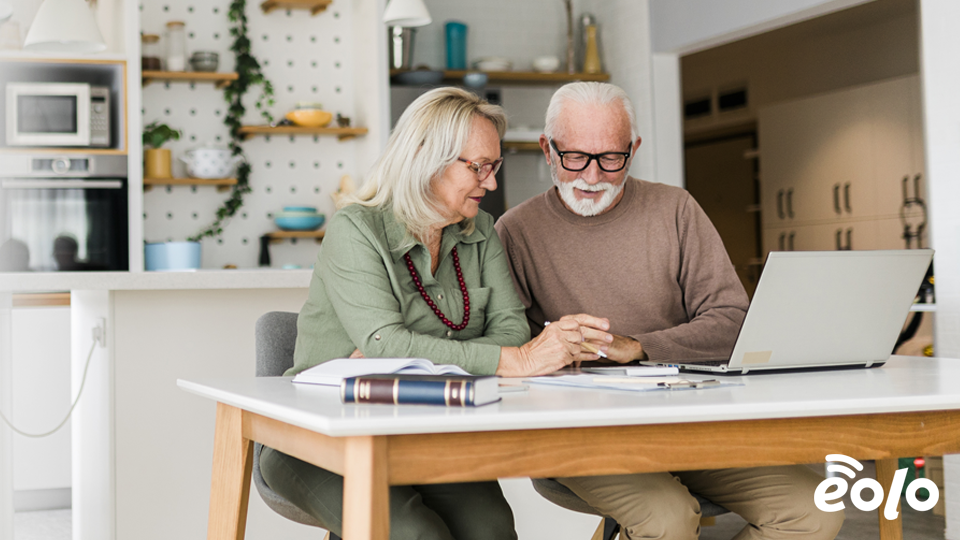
x: 83, y: 382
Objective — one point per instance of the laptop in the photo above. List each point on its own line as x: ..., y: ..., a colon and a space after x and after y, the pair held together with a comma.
x: 823, y: 309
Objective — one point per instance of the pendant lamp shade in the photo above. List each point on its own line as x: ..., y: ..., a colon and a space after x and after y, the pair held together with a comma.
x: 407, y: 13
x: 64, y: 26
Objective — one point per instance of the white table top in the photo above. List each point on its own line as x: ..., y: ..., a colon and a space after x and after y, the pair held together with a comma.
x: 904, y: 384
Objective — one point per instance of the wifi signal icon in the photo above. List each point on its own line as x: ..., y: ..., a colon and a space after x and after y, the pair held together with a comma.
x: 846, y: 471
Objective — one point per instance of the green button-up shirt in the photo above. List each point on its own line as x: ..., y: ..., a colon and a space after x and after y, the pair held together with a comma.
x: 362, y: 296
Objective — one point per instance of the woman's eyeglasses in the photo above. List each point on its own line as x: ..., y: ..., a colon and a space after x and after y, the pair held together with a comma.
x: 483, y: 170
x: 578, y: 161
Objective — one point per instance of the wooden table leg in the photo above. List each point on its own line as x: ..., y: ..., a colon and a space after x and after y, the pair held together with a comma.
x: 232, y: 467
x: 366, y: 494
x: 890, y: 529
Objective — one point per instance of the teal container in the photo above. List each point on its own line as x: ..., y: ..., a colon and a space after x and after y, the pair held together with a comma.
x: 456, y: 45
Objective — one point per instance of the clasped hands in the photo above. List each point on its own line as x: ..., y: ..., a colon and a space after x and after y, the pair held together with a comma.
x: 561, y: 344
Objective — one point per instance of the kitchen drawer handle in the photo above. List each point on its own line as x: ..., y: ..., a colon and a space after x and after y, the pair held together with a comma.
x: 906, y: 198
x: 790, y: 240
x: 916, y: 186
x: 849, y: 239
x: 782, y: 244
x: 780, y: 213
x: 836, y: 198
x: 61, y: 184
x: 839, y: 236
x: 846, y: 197
x: 790, y: 203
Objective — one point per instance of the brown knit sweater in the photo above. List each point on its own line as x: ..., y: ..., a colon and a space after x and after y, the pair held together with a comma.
x: 653, y: 265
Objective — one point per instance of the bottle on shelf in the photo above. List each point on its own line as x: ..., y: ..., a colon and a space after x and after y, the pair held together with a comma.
x: 591, y: 48
x: 150, y: 52
x: 176, y: 46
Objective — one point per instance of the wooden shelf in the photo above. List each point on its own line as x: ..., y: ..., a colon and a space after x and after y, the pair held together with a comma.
x: 517, y: 146
x: 342, y: 133
x: 522, y: 77
x: 218, y: 79
x: 314, y: 6
x: 41, y: 299
x: 223, y: 184
x: 280, y: 236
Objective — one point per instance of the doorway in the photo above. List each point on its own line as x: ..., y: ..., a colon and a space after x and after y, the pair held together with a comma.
x: 721, y: 175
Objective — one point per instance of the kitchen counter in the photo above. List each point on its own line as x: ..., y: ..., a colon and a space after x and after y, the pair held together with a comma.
x: 159, y: 327
x: 133, y: 281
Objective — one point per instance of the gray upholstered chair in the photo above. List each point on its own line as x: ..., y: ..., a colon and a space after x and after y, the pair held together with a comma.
x: 276, y: 336
x: 561, y: 495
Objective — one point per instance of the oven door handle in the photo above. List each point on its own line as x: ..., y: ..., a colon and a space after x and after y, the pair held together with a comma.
x: 61, y: 184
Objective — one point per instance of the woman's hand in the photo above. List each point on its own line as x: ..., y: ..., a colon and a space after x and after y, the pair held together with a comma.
x: 594, y: 331
x: 557, y: 346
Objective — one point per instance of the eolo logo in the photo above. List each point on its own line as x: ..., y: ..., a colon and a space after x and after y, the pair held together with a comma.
x: 821, y: 498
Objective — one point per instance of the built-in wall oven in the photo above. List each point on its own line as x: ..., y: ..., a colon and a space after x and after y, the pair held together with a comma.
x: 63, y: 212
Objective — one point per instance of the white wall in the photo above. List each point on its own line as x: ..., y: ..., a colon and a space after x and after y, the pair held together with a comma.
x: 940, y: 72
x: 688, y: 25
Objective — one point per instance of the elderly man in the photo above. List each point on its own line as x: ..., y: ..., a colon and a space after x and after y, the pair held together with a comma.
x: 645, y: 257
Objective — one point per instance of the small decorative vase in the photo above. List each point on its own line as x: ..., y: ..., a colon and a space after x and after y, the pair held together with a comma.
x: 156, y: 163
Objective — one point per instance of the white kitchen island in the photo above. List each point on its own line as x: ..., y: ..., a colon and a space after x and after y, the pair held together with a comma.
x: 141, y: 447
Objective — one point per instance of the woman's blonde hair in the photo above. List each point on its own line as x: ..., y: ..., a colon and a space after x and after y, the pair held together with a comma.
x: 428, y: 138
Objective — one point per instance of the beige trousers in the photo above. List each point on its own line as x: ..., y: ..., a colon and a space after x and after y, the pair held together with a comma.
x: 776, y: 502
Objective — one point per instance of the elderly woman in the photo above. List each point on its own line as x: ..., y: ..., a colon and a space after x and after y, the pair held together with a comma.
x: 410, y: 267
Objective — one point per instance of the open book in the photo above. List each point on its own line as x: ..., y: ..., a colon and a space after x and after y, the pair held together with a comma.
x: 333, y: 371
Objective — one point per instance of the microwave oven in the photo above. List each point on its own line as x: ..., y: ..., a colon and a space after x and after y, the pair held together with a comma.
x: 58, y: 114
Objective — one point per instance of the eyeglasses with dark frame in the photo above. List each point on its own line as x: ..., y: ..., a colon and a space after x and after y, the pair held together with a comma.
x: 483, y: 170
x: 578, y: 161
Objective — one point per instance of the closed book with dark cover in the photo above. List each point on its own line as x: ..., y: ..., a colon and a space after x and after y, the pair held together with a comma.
x: 449, y: 390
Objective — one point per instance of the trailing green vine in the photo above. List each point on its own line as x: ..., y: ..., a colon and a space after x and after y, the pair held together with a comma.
x: 249, y: 74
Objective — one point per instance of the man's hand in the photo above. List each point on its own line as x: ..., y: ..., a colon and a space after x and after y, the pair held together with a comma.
x: 625, y: 349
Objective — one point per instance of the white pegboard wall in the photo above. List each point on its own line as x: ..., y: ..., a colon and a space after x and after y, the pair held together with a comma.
x: 307, y: 59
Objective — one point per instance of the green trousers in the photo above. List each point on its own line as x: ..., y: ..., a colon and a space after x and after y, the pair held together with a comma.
x: 465, y: 511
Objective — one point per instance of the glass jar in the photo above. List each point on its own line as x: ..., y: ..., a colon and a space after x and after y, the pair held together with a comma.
x: 150, y: 52
x: 176, y: 46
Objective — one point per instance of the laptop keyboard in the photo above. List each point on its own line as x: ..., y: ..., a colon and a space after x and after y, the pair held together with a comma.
x: 706, y: 362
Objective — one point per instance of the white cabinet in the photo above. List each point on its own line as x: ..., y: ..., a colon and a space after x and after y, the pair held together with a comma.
x: 41, y: 398
x: 833, y: 165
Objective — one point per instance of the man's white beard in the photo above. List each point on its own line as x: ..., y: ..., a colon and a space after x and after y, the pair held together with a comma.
x: 586, y: 207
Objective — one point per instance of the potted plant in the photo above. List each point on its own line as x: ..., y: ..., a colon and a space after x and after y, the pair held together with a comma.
x: 156, y: 160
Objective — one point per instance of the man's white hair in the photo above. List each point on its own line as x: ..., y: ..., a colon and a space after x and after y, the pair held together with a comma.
x: 587, y: 93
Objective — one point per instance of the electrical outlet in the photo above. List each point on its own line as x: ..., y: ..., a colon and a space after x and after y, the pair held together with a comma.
x: 100, y: 332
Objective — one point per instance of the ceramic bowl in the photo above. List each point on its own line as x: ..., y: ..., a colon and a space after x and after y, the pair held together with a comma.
x: 300, y: 223
x: 309, y: 117
x: 205, y: 61
x: 210, y: 162
x: 475, y: 79
x: 546, y: 64
x: 493, y: 63
x: 311, y: 209
x: 170, y: 256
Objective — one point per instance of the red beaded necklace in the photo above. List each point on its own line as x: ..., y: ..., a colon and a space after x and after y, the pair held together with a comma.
x: 432, y: 304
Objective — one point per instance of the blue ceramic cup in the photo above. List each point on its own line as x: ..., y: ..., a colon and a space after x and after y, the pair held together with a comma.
x: 456, y: 45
